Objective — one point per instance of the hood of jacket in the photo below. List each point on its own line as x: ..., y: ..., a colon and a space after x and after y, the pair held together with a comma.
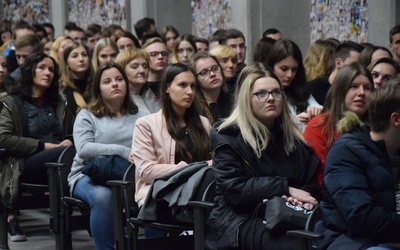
x: 350, y: 122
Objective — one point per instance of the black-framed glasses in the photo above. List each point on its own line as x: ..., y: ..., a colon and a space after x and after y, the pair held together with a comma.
x: 263, y: 95
x: 206, y: 73
x: 156, y: 53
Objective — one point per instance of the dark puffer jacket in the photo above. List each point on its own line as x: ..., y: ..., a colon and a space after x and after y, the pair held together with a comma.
x: 359, y: 204
x: 243, y: 180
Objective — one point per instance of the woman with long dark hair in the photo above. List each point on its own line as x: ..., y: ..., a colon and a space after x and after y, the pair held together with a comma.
x: 286, y: 61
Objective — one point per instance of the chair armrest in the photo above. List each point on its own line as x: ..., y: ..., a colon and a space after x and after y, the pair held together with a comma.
x: 55, y: 165
x: 118, y: 183
x: 75, y: 201
x: 309, y: 235
x: 202, y: 204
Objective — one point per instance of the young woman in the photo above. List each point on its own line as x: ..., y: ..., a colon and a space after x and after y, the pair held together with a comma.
x: 106, y: 50
x: 286, y: 61
x: 227, y: 58
x: 350, y: 91
x: 127, y: 41
x: 184, y: 50
x: 169, y: 35
x: 318, y: 61
x: 259, y: 153
x: 33, y: 130
x: 372, y: 53
x: 57, y: 49
x: 174, y: 136
x: 3, y: 73
x: 46, y: 44
x: 214, y: 101
x: 383, y: 69
x: 76, y: 76
x: 104, y: 129
x: 135, y: 62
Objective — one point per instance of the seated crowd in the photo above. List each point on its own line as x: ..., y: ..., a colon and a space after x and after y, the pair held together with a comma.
x: 323, y: 131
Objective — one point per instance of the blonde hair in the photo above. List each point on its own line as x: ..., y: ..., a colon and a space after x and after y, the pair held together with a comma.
x: 151, y: 41
x: 254, y: 132
x: 223, y: 51
x: 56, y: 45
x: 100, y: 45
x: 318, y: 61
x: 126, y: 56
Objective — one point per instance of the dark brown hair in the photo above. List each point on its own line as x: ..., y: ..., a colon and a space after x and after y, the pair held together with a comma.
x: 297, y: 92
x: 97, y: 105
x: 197, y: 132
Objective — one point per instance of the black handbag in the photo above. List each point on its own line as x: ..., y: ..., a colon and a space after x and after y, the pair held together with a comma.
x: 281, y: 216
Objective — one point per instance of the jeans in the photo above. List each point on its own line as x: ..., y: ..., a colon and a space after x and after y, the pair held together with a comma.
x: 101, y: 216
x: 383, y: 247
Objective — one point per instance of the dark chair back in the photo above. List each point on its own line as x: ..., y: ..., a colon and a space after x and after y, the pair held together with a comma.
x: 63, y: 220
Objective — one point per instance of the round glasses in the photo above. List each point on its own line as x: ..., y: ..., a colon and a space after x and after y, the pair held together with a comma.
x: 263, y: 95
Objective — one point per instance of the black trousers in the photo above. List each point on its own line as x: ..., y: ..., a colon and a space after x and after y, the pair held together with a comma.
x: 35, y: 172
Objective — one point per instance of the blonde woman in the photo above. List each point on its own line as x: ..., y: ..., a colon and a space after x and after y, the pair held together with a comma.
x: 57, y: 48
x: 136, y: 63
x: 259, y: 153
x: 106, y: 50
x: 76, y: 76
x: 227, y: 58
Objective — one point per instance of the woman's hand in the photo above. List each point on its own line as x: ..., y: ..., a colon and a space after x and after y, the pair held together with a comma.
x: 313, y: 111
x: 300, y: 197
x: 48, y: 145
x: 209, y: 162
x: 130, y: 157
x: 65, y: 143
x: 303, y: 117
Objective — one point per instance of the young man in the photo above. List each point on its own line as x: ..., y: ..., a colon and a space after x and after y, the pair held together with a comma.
x: 346, y: 53
x: 158, y: 54
x: 215, y: 38
x: 50, y: 30
x: 20, y: 28
x: 25, y: 46
x: 93, y: 35
x: 394, y: 38
x: 201, y: 44
x: 143, y: 26
x: 359, y: 202
x: 78, y: 35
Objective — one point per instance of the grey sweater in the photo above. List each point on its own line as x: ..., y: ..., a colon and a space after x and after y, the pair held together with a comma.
x: 97, y: 137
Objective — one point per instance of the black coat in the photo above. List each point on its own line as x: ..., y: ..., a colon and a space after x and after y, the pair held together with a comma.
x: 243, y: 180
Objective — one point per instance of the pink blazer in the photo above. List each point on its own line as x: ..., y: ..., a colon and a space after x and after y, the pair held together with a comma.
x: 154, y: 151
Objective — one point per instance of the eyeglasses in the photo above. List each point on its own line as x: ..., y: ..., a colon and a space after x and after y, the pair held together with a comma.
x: 206, y: 73
x: 263, y: 95
x: 156, y: 53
